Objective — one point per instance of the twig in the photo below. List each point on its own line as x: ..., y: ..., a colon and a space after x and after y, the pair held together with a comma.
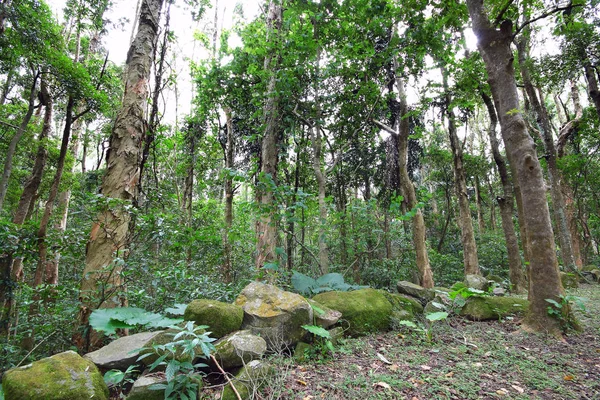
x: 226, y: 377
x: 35, y: 347
x: 544, y: 15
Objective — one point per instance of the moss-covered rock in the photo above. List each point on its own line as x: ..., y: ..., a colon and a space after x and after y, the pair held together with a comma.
x: 239, y: 348
x: 495, y: 278
x: 477, y: 282
x: 64, y: 376
x: 569, y: 280
x: 222, y: 318
x: 251, y: 377
x: 302, y: 351
x: 366, y: 310
x: 324, y: 316
x: 481, y: 308
x: 401, y: 301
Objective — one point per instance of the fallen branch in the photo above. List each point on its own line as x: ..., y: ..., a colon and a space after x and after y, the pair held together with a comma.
x: 226, y: 377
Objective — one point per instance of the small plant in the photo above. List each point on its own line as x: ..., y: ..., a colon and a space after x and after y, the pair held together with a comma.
x: 323, y: 338
x: 326, y: 283
x: 108, y: 320
x: 178, y: 356
x: 460, y: 293
x: 116, y: 379
x: 426, y: 328
x: 561, y: 310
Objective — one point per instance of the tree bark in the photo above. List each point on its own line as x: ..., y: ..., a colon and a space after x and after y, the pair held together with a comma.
x: 544, y: 278
x: 266, y: 224
x: 12, y: 147
x: 467, y: 234
x: 229, y: 156
x: 558, y: 203
x: 592, y: 84
x: 102, y: 281
x: 7, y: 286
x: 515, y: 268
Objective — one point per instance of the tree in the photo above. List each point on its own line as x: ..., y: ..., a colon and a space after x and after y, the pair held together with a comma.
x: 544, y: 280
x: 108, y: 237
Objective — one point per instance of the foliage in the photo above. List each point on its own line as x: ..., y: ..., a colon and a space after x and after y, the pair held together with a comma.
x: 323, y: 343
x: 177, y: 358
x: 108, y: 320
x: 117, y: 379
x: 561, y: 310
x: 326, y: 283
x: 426, y: 328
x: 461, y: 292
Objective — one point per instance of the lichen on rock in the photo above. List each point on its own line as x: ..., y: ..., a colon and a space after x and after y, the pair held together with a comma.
x: 481, y: 308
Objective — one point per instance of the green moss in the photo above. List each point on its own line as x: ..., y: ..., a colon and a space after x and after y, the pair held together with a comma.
x: 366, y: 310
x: 400, y: 301
x: 569, y: 280
x: 482, y: 308
x: 62, y: 376
x: 222, y: 318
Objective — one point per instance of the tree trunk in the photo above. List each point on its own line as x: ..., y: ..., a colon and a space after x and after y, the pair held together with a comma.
x: 408, y: 190
x: 515, y: 268
x: 558, y: 203
x: 229, y: 148
x: 544, y: 278
x: 7, y: 286
x: 12, y: 147
x: 467, y: 235
x: 102, y: 283
x: 267, y: 225
x: 592, y: 84
x: 478, y: 202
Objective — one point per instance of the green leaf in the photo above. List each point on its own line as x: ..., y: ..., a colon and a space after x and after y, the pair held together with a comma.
x: 437, y: 316
x: 303, y: 283
x: 177, y: 309
x: 408, y: 323
x: 113, y: 377
x: 317, y: 331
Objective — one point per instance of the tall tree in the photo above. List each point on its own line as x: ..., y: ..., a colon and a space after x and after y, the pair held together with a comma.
x: 544, y: 279
x: 101, y: 285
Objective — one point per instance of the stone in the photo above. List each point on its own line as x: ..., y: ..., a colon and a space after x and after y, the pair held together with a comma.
x: 221, y: 318
x: 274, y: 314
x: 64, y: 376
x: 481, y: 308
x: 435, y: 305
x: 239, y: 348
x: 121, y: 353
x: 141, y: 387
x: 495, y: 278
x: 405, y: 302
x: 365, y: 310
x: 477, y: 282
x: 336, y: 334
x: 326, y: 318
x: 498, y: 291
x: 411, y: 289
x: 163, y: 338
x: 250, y: 378
x: 569, y: 280
x: 302, y: 351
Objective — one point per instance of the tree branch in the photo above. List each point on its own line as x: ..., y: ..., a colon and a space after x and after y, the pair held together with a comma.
x: 502, y: 11
x: 385, y: 127
x: 544, y: 15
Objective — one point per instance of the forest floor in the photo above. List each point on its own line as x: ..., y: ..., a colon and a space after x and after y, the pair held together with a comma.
x: 464, y: 360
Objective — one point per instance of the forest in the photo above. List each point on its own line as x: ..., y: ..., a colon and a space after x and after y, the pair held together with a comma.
x: 417, y: 182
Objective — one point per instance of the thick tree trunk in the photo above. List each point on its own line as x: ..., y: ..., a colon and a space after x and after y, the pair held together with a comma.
x: 7, y: 286
x: 467, y: 234
x: 515, y: 268
x: 102, y: 283
x: 12, y: 146
x: 267, y: 224
x: 478, y: 202
x: 558, y: 203
x: 544, y: 278
x: 229, y: 148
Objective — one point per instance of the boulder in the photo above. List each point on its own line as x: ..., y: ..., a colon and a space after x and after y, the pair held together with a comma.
x: 121, y: 353
x: 249, y: 379
x: 141, y: 389
x: 481, y: 308
x: 477, y: 282
x: 366, y: 310
x: 436, y: 305
x: 404, y: 308
x: 221, y: 318
x: 327, y: 317
x: 495, y: 278
x: 274, y: 314
x: 64, y: 376
x: 569, y: 280
x: 239, y: 348
x: 499, y: 291
x: 411, y: 289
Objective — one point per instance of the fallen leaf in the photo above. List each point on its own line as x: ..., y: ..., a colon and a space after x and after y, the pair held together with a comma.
x: 309, y: 397
x: 303, y: 383
x: 449, y: 374
x: 568, y: 377
x: 518, y: 388
x: 501, y: 392
x: 382, y: 358
x: 382, y: 385
x: 394, y: 367
x: 478, y: 365
x: 425, y: 367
